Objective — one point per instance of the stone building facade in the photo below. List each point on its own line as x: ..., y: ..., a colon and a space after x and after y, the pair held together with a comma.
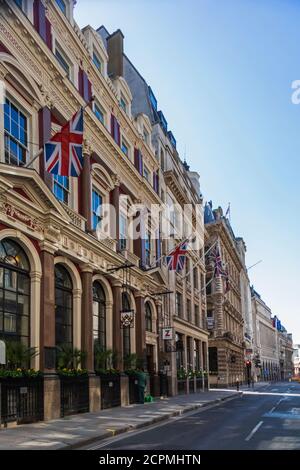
x: 266, y: 352
x: 224, y: 308
x: 183, y: 298
x: 246, y: 314
x: 71, y: 259
x: 285, y: 351
x: 296, y: 360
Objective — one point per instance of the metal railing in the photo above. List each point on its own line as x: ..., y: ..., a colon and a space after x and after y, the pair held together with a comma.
x: 191, y: 385
x: 22, y: 400
x: 181, y: 386
x: 133, y: 389
x: 74, y: 395
x: 164, y: 387
x: 110, y: 391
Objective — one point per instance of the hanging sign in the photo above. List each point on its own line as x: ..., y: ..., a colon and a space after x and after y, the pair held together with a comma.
x: 2, y: 353
x: 127, y: 319
x: 167, y: 333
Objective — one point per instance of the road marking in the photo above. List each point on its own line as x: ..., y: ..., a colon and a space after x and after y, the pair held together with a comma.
x: 274, y: 408
x: 254, y: 431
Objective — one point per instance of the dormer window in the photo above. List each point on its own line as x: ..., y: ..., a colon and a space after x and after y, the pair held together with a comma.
x: 62, y: 6
x: 97, y: 61
x: 123, y: 103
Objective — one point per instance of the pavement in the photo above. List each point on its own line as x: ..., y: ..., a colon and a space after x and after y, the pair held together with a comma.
x: 266, y: 418
x: 82, y: 430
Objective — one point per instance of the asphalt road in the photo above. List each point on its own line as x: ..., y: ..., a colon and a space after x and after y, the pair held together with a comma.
x: 263, y: 420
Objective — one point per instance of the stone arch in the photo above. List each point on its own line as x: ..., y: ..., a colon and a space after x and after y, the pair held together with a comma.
x: 104, y: 176
x: 77, y: 294
x: 16, y: 70
x: 35, y: 285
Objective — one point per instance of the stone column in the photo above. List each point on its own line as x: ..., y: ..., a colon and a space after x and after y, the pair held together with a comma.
x: 35, y: 285
x: 44, y: 136
x: 124, y: 384
x: 85, y: 188
x: 87, y: 316
x: 47, y: 311
x: 94, y: 393
x: 117, y: 332
x: 140, y: 327
x: 47, y: 336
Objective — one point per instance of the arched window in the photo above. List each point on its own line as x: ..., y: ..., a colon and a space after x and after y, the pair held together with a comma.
x: 99, y: 315
x: 63, y: 306
x: 14, y: 292
x: 148, y: 315
x: 126, y: 331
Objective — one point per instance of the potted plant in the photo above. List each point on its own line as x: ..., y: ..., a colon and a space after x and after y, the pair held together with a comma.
x: 68, y: 361
x: 104, y: 360
x: 18, y: 359
x: 181, y: 373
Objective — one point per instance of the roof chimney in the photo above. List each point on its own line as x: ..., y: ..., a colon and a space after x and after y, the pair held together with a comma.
x: 115, y: 54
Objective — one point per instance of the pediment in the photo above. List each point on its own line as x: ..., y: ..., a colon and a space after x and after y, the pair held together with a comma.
x: 24, y: 188
x: 158, y: 276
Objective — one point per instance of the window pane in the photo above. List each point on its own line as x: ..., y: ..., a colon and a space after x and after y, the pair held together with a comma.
x: 23, y: 305
x: 10, y: 323
x: 24, y: 326
x: 99, y: 114
x: 63, y: 62
x: 97, y: 61
x: 7, y: 117
x: 124, y: 148
x: 68, y: 298
x: 10, y: 279
x: 62, y: 6
x: 24, y: 284
x: 10, y: 302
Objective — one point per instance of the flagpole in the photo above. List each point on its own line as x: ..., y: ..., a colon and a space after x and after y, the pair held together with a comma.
x: 163, y: 256
x: 34, y: 158
x: 199, y: 261
x: 42, y: 148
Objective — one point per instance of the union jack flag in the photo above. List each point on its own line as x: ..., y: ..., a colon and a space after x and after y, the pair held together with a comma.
x: 219, y: 270
x: 176, y: 259
x: 218, y: 265
x: 63, y: 152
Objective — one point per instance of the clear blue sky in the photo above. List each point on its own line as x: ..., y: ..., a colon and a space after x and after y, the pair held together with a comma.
x: 222, y: 72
